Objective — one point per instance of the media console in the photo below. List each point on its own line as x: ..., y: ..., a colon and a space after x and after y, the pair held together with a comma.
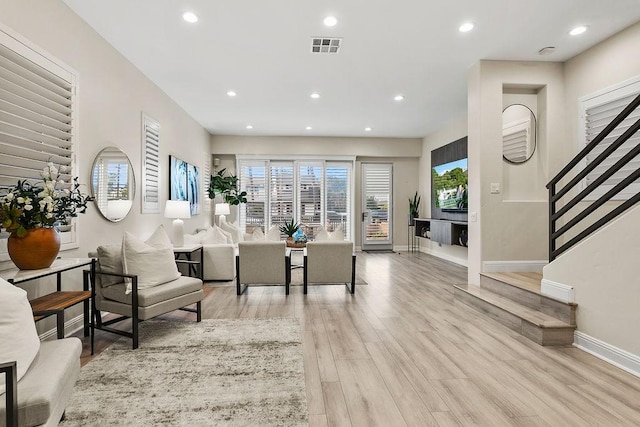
x: 445, y: 231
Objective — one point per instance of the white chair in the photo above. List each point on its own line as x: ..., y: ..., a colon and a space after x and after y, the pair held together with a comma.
x: 330, y: 261
x: 262, y: 262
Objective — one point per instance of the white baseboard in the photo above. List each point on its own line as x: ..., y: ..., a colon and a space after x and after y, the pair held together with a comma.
x: 512, y: 266
x: 559, y: 291
x: 70, y: 327
x: 460, y: 261
x: 607, y: 352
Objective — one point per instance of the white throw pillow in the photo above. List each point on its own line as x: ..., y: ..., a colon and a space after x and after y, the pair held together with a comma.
x: 19, y: 340
x: 152, y: 261
x: 338, y: 234
x: 273, y: 234
x: 321, y: 235
x: 214, y: 235
x: 235, y: 232
x: 195, y: 239
x: 257, y: 234
x: 110, y: 261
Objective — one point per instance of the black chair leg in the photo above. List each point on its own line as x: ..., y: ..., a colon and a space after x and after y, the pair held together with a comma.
x: 199, y: 311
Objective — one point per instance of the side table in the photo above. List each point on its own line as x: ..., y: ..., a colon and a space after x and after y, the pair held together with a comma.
x: 57, y: 302
x: 188, y: 251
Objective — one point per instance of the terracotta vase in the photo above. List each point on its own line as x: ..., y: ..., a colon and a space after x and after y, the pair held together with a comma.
x: 37, y: 249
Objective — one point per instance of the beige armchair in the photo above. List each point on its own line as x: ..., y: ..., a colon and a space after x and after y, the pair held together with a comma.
x: 113, y: 294
x: 262, y: 262
x: 329, y: 262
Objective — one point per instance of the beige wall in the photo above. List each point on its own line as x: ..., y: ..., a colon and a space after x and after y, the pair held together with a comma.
x: 451, y: 132
x: 404, y: 153
x: 511, y: 228
x: 112, y: 94
x: 602, y: 269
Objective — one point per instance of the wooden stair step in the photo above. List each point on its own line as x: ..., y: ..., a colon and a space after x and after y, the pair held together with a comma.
x: 535, y: 325
x: 524, y: 288
x: 528, y: 280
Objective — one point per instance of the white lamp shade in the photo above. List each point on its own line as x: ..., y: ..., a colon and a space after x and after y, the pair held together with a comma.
x: 177, y: 209
x: 222, y: 209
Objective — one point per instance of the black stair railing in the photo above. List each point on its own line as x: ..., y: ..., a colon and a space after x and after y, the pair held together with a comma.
x: 555, y: 194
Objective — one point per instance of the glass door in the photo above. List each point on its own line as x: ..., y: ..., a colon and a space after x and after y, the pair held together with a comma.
x: 377, y: 212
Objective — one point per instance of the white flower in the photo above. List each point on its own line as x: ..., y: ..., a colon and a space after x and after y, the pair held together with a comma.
x: 66, y: 191
x: 20, y: 199
x: 28, y: 207
x: 49, y: 215
x: 9, y: 197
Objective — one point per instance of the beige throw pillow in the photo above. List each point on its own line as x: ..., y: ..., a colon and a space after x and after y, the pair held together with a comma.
x: 257, y: 234
x: 109, y: 261
x: 235, y: 232
x: 19, y: 340
x: 273, y: 234
x: 215, y: 235
x: 152, y: 261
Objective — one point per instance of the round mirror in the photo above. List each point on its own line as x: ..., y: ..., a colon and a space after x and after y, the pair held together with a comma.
x: 113, y: 183
x: 518, y: 133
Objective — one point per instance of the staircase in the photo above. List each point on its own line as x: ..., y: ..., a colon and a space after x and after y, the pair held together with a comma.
x: 514, y: 299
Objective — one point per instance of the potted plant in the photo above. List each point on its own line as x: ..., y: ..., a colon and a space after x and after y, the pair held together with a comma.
x: 227, y: 186
x: 31, y: 211
x: 414, y: 208
x: 289, y: 228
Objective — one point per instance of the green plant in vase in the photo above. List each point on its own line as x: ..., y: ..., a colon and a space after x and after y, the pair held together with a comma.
x: 289, y: 228
x: 227, y: 186
x: 414, y: 208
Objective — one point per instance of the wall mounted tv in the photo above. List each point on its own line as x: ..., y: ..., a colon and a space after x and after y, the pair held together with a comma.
x: 450, y: 182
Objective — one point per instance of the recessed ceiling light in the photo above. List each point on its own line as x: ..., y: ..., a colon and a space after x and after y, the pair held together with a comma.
x: 231, y: 93
x: 466, y: 27
x: 367, y: 129
x: 315, y: 95
x: 308, y: 128
x: 190, y: 17
x: 578, y: 30
x: 398, y: 97
x: 249, y: 127
x: 330, y: 21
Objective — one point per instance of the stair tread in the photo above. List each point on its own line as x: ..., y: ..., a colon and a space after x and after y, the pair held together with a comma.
x: 529, y: 280
x: 533, y: 316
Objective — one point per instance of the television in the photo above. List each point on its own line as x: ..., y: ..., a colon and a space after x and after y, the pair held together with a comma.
x: 450, y: 182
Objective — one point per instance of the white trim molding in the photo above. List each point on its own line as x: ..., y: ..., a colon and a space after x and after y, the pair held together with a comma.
x: 559, y: 291
x: 460, y: 261
x: 70, y: 327
x: 511, y: 266
x: 607, y: 352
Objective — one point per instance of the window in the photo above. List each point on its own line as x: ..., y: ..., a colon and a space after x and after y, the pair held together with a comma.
x: 312, y: 192
x: 37, y: 118
x: 596, y: 112
x: 150, y: 165
x: 253, y: 180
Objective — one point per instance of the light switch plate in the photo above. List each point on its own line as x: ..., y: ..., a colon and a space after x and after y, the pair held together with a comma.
x: 474, y: 216
x: 495, y: 188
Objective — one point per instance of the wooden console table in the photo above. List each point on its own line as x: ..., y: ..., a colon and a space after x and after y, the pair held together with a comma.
x: 57, y: 302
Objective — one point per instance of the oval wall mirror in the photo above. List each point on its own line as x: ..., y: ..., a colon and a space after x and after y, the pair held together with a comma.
x: 113, y: 183
x: 518, y: 133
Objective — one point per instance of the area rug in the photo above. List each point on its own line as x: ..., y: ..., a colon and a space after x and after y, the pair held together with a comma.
x: 244, y: 372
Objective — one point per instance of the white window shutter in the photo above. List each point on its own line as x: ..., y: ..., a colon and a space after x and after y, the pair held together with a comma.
x: 281, y: 192
x: 338, y: 196
x: 150, y: 165
x: 596, y: 113
x: 253, y: 179
x: 37, y: 119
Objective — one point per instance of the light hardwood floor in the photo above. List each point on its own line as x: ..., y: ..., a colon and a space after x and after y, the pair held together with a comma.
x: 403, y: 351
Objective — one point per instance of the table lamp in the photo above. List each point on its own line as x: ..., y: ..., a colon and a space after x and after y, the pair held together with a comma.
x: 177, y: 209
x: 222, y: 209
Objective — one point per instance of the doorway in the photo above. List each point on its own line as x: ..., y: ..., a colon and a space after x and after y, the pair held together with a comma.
x: 377, y: 213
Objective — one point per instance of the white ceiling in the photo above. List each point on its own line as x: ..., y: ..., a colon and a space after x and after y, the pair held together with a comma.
x: 261, y: 50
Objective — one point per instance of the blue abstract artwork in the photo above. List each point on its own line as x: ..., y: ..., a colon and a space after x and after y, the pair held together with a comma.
x: 193, y: 195
x: 177, y: 179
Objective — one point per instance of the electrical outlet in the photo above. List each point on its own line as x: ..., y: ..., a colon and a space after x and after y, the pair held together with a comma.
x: 474, y: 216
x: 495, y: 188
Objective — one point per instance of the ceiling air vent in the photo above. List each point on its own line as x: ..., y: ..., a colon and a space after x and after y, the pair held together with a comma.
x: 325, y: 45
